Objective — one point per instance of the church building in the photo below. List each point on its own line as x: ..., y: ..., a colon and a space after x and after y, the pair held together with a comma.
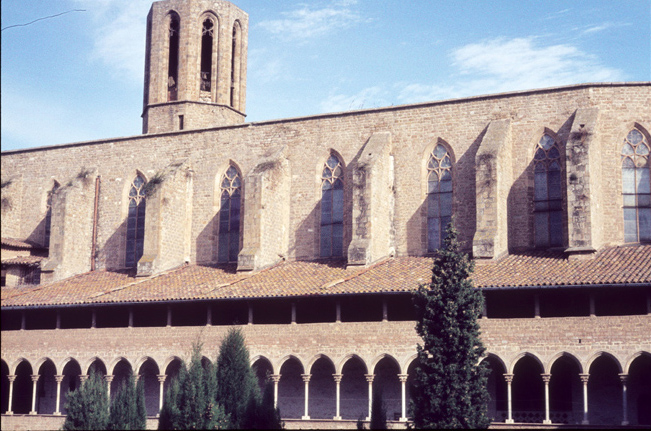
x: 311, y: 233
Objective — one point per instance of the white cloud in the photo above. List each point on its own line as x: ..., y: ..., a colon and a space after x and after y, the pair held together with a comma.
x: 501, y: 65
x: 306, y: 21
x: 372, y: 97
x: 602, y: 27
x: 119, y: 38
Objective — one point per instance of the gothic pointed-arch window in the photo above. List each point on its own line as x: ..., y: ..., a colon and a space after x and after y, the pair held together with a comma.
x: 236, y: 54
x: 439, y: 196
x: 207, y: 34
x: 332, y: 208
x: 229, y: 216
x: 636, y: 187
x: 48, y: 214
x: 173, y: 59
x: 136, y: 222
x: 548, y: 193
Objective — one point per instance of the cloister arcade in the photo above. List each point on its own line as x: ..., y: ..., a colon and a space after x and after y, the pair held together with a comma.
x: 602, y: 389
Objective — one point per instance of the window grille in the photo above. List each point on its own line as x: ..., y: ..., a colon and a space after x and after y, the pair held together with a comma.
x: 548, y: 196
x: 636, y: 188
x: 229, y: 216
x: 136, y: 222
x: 439, y: 196
x: 332, y: 208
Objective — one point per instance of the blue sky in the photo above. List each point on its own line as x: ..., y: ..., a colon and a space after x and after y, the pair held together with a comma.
x: 79, y: 76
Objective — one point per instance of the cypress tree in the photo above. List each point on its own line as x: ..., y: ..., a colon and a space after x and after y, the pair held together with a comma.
x: 128, y: 410
x: 190, y: 400
x: 236, y: 382
x: 88, y: 406
x: 378, y: 410
x: 450, y: 384
x: 268, y: 416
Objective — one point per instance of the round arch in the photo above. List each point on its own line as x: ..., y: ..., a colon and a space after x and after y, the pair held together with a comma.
x: 282, y: 361
x: 315, y: 358
x: 342, y: 362
x: 563, y: 354
x: 599, y: 354
x: 632, y: 358
x: 382, y: 356
x: 521, y: 355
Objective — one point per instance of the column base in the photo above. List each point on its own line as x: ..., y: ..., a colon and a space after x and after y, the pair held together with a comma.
x: 624, y: 423
x: 33, y: 413
x: 585, y: 422
x: 508, y: 421
x: 305, y: 418
x: 547, y: 421
x: 403, y: 420
x: 367, y: 418
x: 9, y: 413
x: 57, y: 413
x: 336, y: 418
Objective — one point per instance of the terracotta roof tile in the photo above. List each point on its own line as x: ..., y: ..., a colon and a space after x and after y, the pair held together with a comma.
x: 23, y: 260
x: 17, y: 243
x: 615, y: 265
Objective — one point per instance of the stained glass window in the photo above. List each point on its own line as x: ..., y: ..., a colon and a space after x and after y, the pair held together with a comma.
x: 332, y: 208
x: 548, y: 196
x: 229, y: 216
x: 136, y: 222
x: 439, y: 196
x: 636, y: 188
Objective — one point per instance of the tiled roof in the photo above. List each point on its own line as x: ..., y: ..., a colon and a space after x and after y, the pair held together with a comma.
x: 17, y: 243
x: 23, y: 260
x: 611, y: 266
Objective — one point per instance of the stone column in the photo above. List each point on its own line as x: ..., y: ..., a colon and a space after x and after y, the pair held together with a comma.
x: 58, y: 378
x: 369, y: 379
x: 130, y: 318
x: 161, y: 380
x: 403, y: 383
x: 624, y: 378
x: 209, y: 316
x: 34, y: 383
x: 584, y: 379
x: 250, y: 314
x: 509, y: 416
x: 293, y: 313
x: 338, y: 311
x: 109, y: 379
x: 169, y: 316
x: 83, y: 378
x: 546, y: 378
x: 337, y: 378
x: 136, y: 377
x: 93, y: 319
x: 306, y: 379
x: 11, y: 378
x: 275, y: 378
x: 22, y: 321
x: 58, y: 324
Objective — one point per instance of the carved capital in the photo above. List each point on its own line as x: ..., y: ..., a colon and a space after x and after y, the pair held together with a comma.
x: 161, y: 377
x: 546, y: 378
x: 369, y: 377
x: 109, y: 378
x: 59, y: 378
x: 35, y: 377
x: 337, y: 377
x: 508, y: 378
x: 403, y: 377
x: 306, y: 377
x: 11, y: 377
x: 275, y: 378
x: 584, y: 378
x: 623, y: 377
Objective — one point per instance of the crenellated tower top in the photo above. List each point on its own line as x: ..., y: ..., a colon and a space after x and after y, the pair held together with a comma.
x: 195, y: 65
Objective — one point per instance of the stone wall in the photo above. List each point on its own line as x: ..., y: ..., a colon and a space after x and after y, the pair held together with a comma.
x: 462, y: 124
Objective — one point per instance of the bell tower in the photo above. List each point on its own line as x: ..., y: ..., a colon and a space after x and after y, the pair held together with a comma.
x: 195, y: 65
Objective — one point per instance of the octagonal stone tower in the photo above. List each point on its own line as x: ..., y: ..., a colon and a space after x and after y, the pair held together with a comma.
x: 195, y: 65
